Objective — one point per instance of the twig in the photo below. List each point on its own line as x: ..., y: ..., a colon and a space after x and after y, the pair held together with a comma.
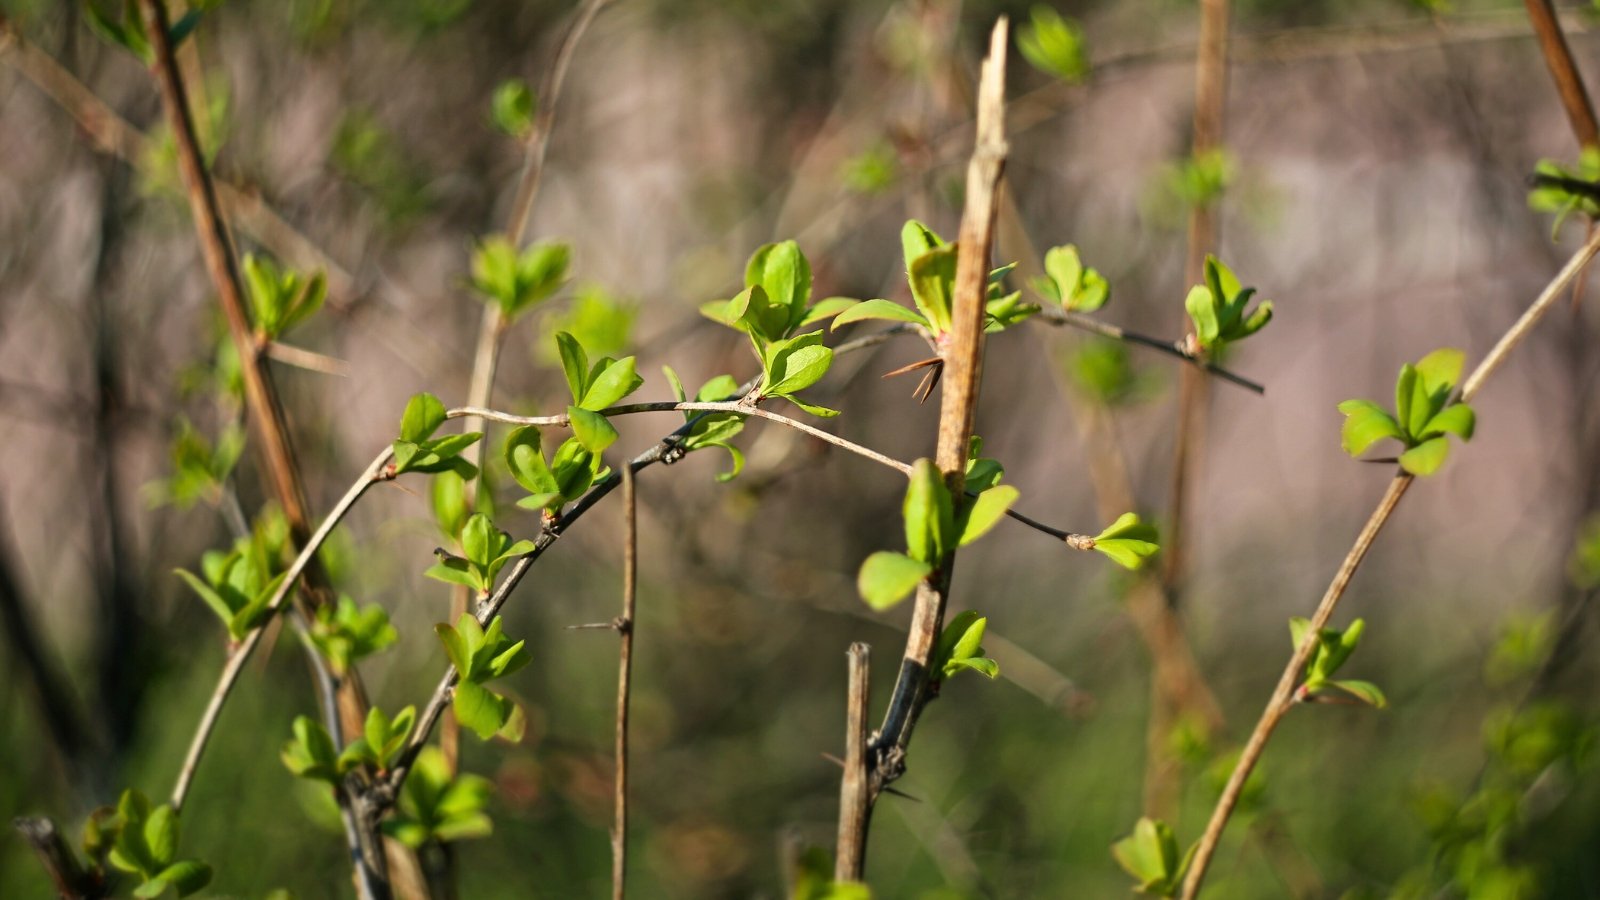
x: 310, y: 360
x: 1283, y: 695
x: 625, y: 626
x: 71, y: 880
x: 1569, y: 82
x: 374, y: 473
x: 1172, y: 348
x: 855, y: 794
x: 958, y: 401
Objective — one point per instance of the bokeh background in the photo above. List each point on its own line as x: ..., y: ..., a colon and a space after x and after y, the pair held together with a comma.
x: 1377, y: 154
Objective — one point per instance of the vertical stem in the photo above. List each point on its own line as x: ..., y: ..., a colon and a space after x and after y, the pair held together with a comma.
x: 855, y: 802
x: 1569, y: 81
x: 963, y: 362
x: 630, y: 591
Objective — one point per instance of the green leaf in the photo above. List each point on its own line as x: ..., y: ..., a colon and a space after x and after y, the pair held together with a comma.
x: 1203, y: 312
x: 1150, y: 855
x: 980, y: 664
x: 1426, y: 457
x: 1054, y: 45
x: 614, y: 382
x: 879, y: 309
x: 513, y: 107
x: 454, y: 570
x: 212, y: 599
x: 1406, y: 391
x: 1458, y: 420
x: 1365, y: 691
x: 917, y: 239
x: 161, y: 835
x: 799, y: 369
x: 455, y: 647
x: 886, y: 578
x: 985, y: 511
x: 827, y: 309
x: 574, y: 364
x: 928, y: 513
x: 480, y: 540
x: 1128, y: 541
x: 784, y: 274
x: 1365, y: 424
x: 1441, y: 369
x: 423, y: 416
x: 574, y: 469
x: 187, y: 876
x: 933, y: 278
x: 526, y: 461
x: 815, y: 410
x: 480, y: 709
x: 593, y: 430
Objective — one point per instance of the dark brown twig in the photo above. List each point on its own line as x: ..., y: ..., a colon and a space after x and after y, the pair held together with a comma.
x: 1569, y: 81
x: 69, y: 878
x: 625, y: 626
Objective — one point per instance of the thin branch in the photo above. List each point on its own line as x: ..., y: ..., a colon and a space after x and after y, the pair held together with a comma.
x: 1283, y: 695
x: 958, y: 401
x: 375, y: 473
x: 310, y: 360
x: 855, y: 788
x: 1569, y: 81
x: 69, y: 878
x: 1175, y: 349
x: 625, y: 627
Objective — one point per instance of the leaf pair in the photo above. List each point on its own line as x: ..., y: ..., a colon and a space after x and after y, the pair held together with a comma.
x: 783, y: 275
x: 960, y: 648
x: 711, y: 429
x: 345, y: 633
x: 1054, y: 45
x: 517, y: 281
x: 1333, y: 650
x: 438, y: 806
x: 481, y: 655
x: 144, y: 841
x: 1423, y: 414
x: 487, y: 549
x: 934, y: 527
x: 418, y: 450
x: 1128, y: 541
x: 559, y: 481
x: 1068, y: 282
x: 594, y: 388
x: 1152, y: 857
x: 1218, y: 308
x: 281, y: 298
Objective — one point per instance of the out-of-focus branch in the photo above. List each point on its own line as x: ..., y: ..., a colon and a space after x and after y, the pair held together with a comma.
x: 1564, y: 70
x: 1284, y: 695
x: 624, y: 627
x: 855, y: 788
x: 70, y: 880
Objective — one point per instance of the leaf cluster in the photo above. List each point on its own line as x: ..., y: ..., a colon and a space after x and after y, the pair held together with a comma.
x: 1424, y: 414
x: 487, y: 549
x: 311, y: 754
x: 776, y: 303
x: 199, y: 466
x: 960, y: 648
x: 436, y: 806
x: 1332, y: 651
x: 280, y: 299
x: 143, y: 840
x: 931, y: 273
x: 418, y: 450
x: 1556, y: 191
x: 345, y: 633
x: 516, y: 281
x: 481, y: 655
x: 1128, y: 541
x: 237, y: 585
x: 1054, y: 45
x: 513, y: 107
x: 1152, y: 857
x: 1071, y: 284
x: 1218, y: 308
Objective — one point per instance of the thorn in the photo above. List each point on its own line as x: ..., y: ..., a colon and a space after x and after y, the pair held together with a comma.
x: 919, y: 364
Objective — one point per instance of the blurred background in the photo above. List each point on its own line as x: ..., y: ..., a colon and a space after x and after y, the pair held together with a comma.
x: 1373, y: 185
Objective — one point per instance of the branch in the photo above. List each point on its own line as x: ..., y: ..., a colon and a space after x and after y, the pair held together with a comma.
x: 625, y: 626
x: 1283, y: 695
x: 855, y: 788
x: 375, y: 472
x: 963, y: 360
x: 1176, y: 349
x: 1569, y: 81
x: 70, y: 879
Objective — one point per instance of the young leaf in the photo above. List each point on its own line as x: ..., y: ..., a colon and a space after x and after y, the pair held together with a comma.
x: 879, y: 309
x: 1365, y: 691
x: 827, y: 309
x: 984, y: 512
x: 1458, y: 420
x: 423, y: 416
x: 1054, y: 45
x: 784, y: 274
x: 593, y: 430
x: 929, y: 517
x: 933, y: 278
x: 1426, y: 457
x: 1365, y: 424
x: 886, y: 578
x: 615, y: 381
x: 1128, y: 542
x: 480, y: 709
